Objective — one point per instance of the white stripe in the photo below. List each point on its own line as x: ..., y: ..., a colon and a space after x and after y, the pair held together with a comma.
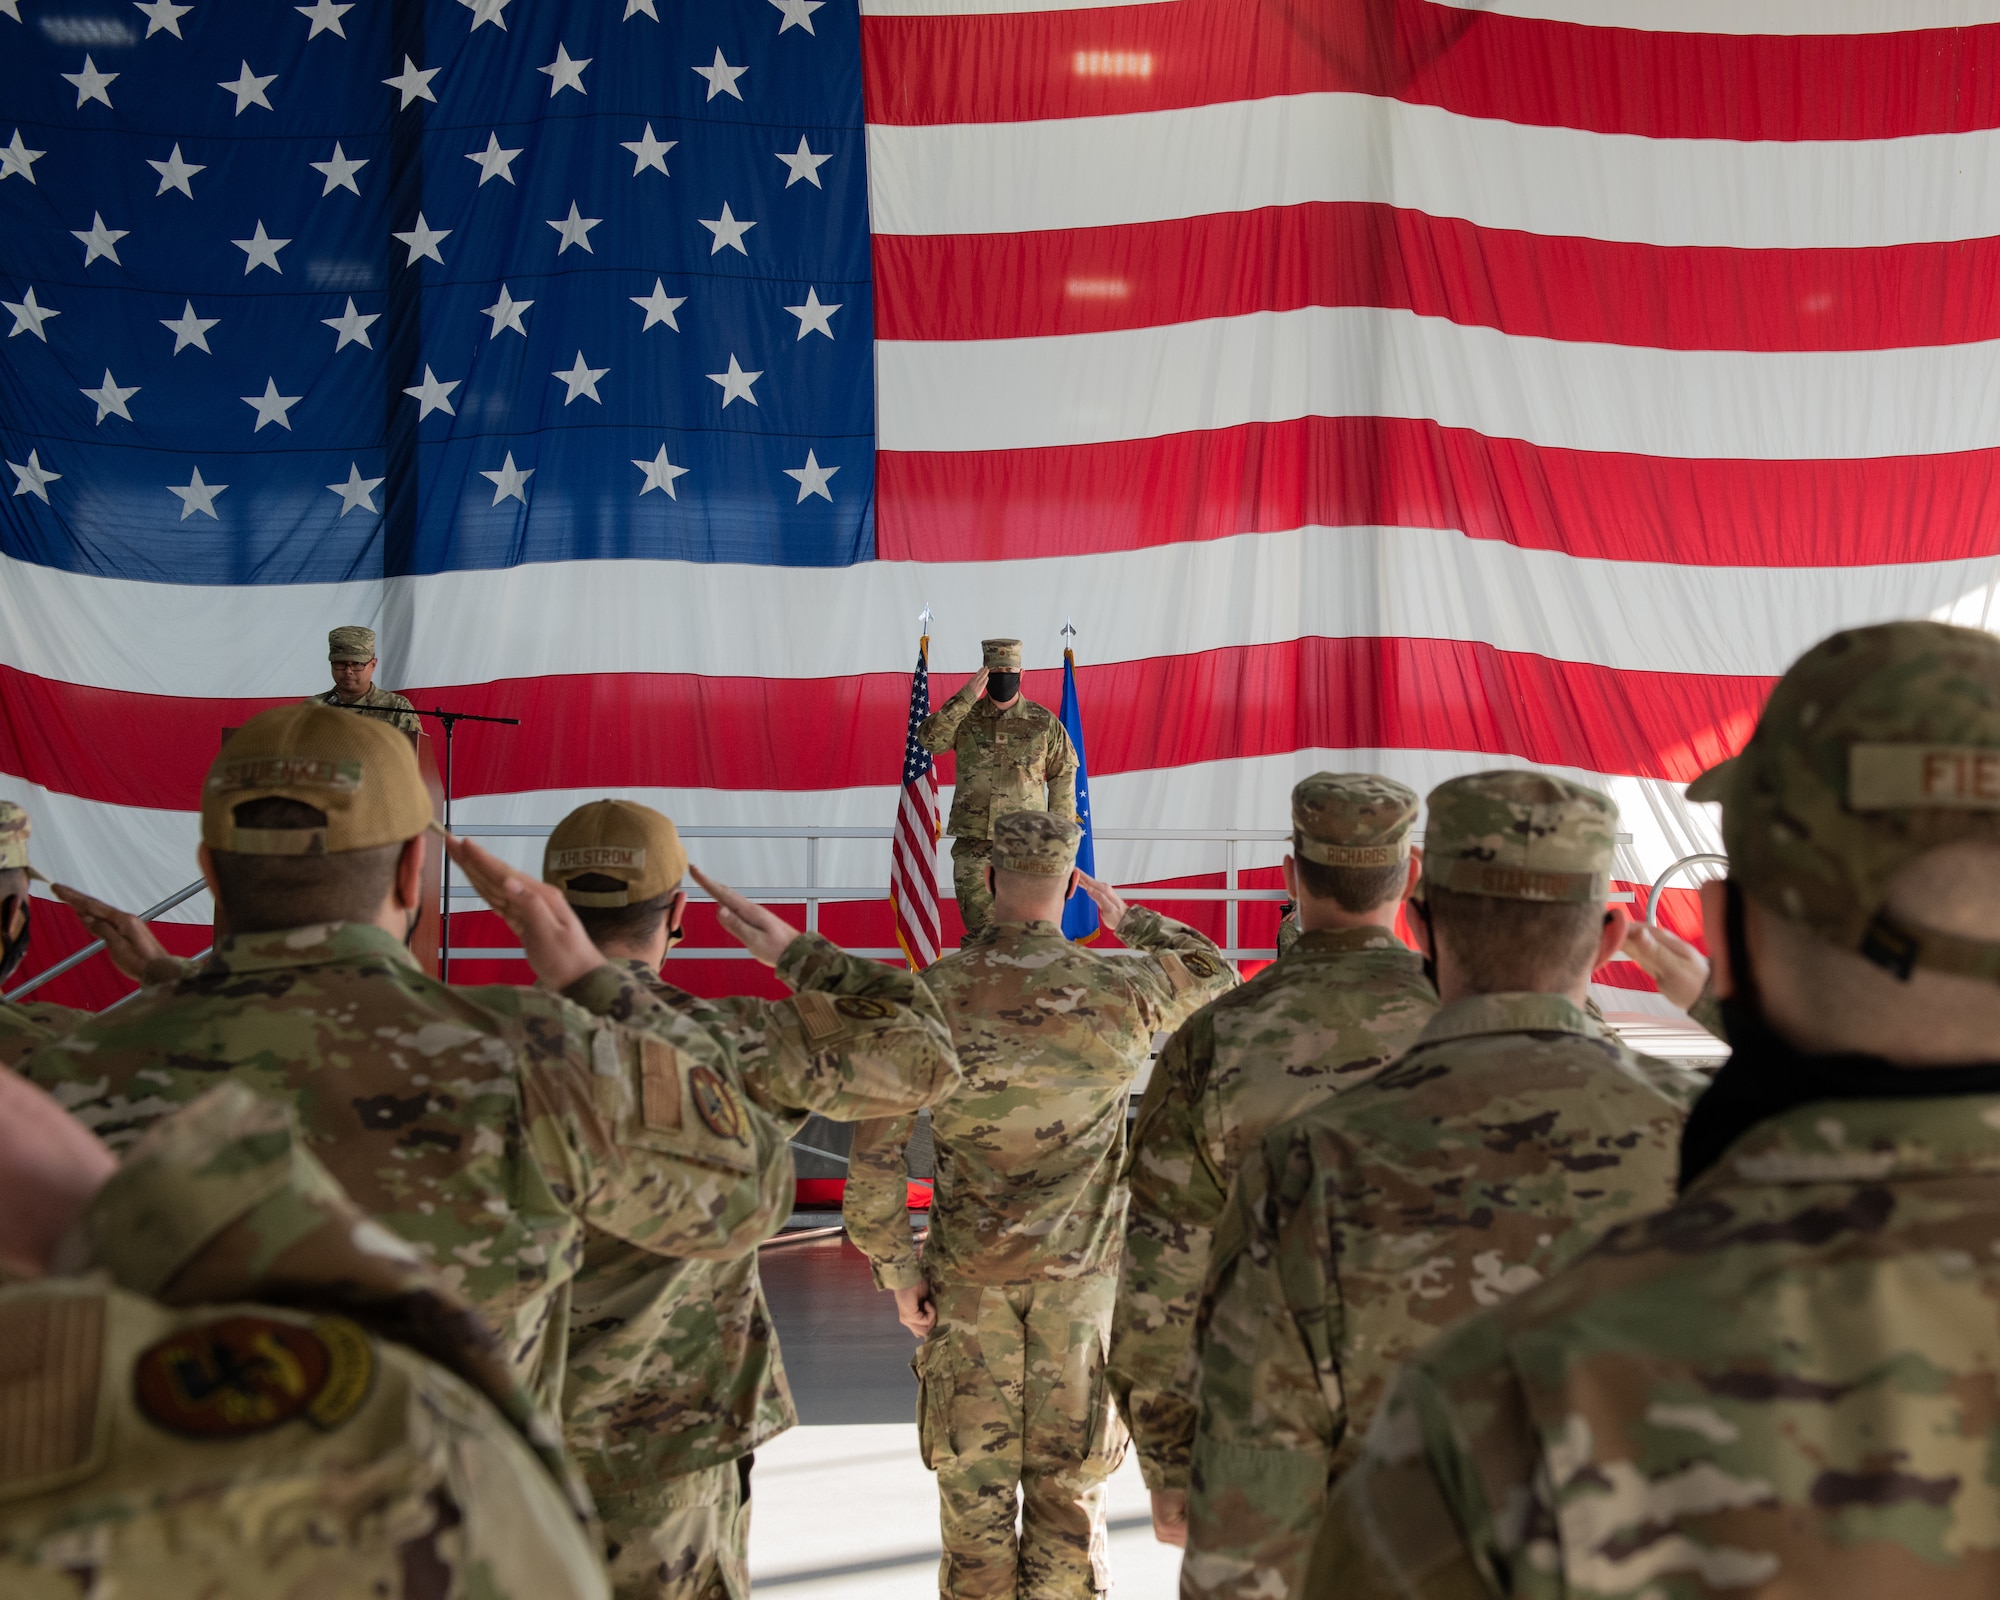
x: 133, y: 857
x: 1085, y: 172
x: 1165, y: 600
x: 974, y: 8
x: 1796, y: 17
x: 1368, y: 361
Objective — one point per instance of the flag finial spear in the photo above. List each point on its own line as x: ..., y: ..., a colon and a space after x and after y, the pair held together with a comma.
x: 924, y: 619
x: 1068, y: 628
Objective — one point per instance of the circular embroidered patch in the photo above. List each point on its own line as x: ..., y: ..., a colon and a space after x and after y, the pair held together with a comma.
x: 715, y: 1104
x: 865, y: 1007
x: 244, y: 1375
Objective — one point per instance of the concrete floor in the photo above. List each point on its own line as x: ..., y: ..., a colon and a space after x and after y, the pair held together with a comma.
x: 844, y: 1507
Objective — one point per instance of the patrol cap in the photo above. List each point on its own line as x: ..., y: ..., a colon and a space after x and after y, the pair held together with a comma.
x: 615, y: 839
x: 353, y: 643
x: 1000, y: 655
x: 1879, y: 744
x: 1352, y: 819
x: 1519, y: 835
x: 14, y: 830
x: 362, y: 773
x: 1035, y: 842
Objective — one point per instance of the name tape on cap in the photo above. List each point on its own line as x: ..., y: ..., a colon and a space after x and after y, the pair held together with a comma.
x: 1943, y: 777
x: 596, y: 857
x: 285, y: 772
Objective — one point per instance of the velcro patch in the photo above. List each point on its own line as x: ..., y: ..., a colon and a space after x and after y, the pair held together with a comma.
x: 238, y: 1376
x: 1941, y: 777
x: 595, y: 857
x: 816, y: 1014
x: 1176, y: 971
x: 1354, y: 855
x: 716, y: 1105
x: 659, y: 1084
x: 285, y: 772
x: 864, y: 1008
x: 1526, y: 883
x: 51, y: 1366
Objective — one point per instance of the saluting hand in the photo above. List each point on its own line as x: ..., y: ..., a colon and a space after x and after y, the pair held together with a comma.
x: 761, y: 931
x: 1111, y: 906
x: 128, y: 941
x: 977, y: 684
x: 1670, y: 961
x: 551, y: 937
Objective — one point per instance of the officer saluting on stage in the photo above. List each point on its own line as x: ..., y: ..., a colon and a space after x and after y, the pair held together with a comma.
x: 350, y: 652
x: 1012, y: 756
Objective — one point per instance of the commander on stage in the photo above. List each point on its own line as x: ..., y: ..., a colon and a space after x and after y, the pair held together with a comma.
x: 1012, y: 756
x: 350, y: 652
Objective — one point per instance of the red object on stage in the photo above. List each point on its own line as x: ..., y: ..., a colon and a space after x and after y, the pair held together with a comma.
x: 824, y: 1194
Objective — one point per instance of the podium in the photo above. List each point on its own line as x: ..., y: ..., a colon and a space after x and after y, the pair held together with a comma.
x: 425, y: 943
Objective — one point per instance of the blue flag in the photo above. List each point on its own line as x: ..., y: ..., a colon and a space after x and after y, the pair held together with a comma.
x: 1080, y: 915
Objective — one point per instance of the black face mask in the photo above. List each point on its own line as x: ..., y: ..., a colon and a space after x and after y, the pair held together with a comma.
x: 1767, y: 1075
x: 1002, y: 685
x: 14, y: 950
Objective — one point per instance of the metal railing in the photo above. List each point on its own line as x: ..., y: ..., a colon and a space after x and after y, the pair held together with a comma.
x: 812, y: 894
x: 77, y: 958
x: 1659, y: 883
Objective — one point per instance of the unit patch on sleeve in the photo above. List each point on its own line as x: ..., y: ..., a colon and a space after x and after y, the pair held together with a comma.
x: 715, y: 1104
x: 243, y: 1375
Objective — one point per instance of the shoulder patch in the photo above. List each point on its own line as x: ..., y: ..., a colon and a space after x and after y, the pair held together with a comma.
x: 238, y: 1376
x: 659, y: 1083
x: 815, y: 1011
x: 1176, y: 970
x: 1201, y: 965
x: 716, y: 1104
x: 864, y: 1007
x: 51, y: 1370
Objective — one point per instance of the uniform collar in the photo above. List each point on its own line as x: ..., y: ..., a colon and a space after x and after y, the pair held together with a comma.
x: 995, y: 932
x: 315, y: 945
x: 1865, y: 1141
x: 1343, y: 941
x: 1508, y: 1013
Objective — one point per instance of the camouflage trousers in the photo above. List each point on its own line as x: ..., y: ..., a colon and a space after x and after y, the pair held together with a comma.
x: 1016, y: 1419
x: 685, y: 1538
x: 969, y: 858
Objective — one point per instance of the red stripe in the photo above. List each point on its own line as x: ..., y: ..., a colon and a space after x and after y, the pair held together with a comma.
x: 1028, y: 66
x: 1279, y: 258
x: 816, y: 733
x: 1413, y: 473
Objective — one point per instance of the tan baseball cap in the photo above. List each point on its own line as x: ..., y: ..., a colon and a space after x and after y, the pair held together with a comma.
x: 353, y: 643
x: 1035, y: 842
x: 1353, y: 819
x: 361, y: 772
x: 1000, y: 655
x: 615, y: 839
x: 1877, y: 745
x: 14, y: 830
x: 1519, y: 835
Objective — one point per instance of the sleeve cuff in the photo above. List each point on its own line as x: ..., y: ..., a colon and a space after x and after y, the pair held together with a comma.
x: 1159, y: 1474
x: 897, y: 1274
x: 605, y: 991
x: 1141, y: 927
x: 799, y: 966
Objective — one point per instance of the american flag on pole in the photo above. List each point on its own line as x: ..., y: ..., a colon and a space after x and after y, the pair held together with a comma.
x: 913, y: 882
x: 1386, y: 384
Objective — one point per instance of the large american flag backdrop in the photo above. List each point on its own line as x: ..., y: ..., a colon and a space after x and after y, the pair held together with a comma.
x: 1377, y: 382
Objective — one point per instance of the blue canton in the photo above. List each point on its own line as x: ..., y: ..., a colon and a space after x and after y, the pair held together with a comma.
x: 363, y: 288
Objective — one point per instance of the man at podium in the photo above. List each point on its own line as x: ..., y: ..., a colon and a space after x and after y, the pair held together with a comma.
x: 350, y: 651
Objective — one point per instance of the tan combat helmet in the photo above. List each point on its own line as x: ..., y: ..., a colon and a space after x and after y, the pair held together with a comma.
x: 352, y: 643
x: 1035, y: 842
x: 1518, y: 835
x: 1352, y: 819
x: 14, y: 830
x: 362, y: 773
x: 619, y: 839
x: 1879, y: 744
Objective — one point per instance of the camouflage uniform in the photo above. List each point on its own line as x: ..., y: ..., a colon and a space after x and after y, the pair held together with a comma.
x: 1512, y: 1132
x: 504, y: 1131
x: 32, y: 1022
x: 1328, y: 1015
x: 1025, y: 1223
x: 384, y: 705
x: 258, y: 1392
x: 1777, y: 1387
x: 1014, y: 760
x: 356, y: 643
x: 1288, y: 929
x: 674, y: 1371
